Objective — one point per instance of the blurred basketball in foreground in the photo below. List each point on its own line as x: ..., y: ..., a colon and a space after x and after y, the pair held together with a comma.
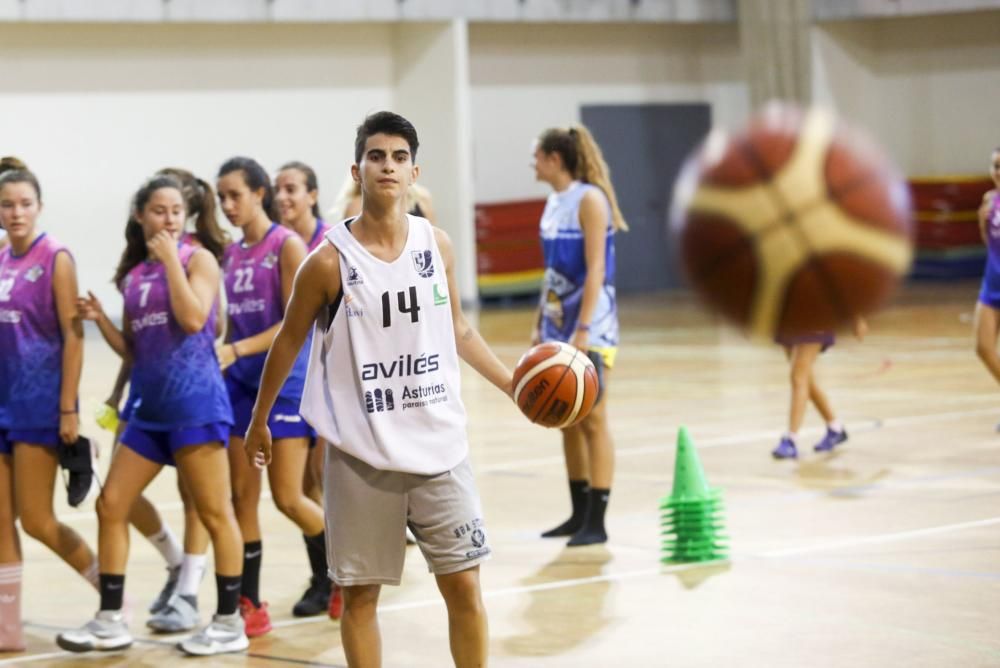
x: 555, y: 384
x: 796, y: 224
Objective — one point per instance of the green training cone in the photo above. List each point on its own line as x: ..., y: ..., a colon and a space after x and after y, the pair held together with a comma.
x: 689, y: 476
x: 691, y: 524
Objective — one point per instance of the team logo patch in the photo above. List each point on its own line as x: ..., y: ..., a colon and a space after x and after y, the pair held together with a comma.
x: 353, y: 277
x: 269, y: 261
x: 34, y: 273
x: 478, y: 538
x: 440, y: 295
x: 423, y: 262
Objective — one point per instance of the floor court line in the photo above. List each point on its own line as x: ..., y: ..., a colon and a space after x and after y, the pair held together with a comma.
x: 677, y: 568
x: 866, y: 425
x: 859, y: 426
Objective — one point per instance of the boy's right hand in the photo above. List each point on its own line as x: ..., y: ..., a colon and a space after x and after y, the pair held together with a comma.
x: 257, y: 445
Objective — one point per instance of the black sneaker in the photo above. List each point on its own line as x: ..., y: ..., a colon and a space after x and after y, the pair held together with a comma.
x: 75, y: 459
x: 315, y: 600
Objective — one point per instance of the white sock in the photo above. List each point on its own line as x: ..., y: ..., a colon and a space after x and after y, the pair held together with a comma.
x: 192, y: 572
x: 93, y: 575
x: 835, y: 426
x: 167, y: 545
x: 792, y: 436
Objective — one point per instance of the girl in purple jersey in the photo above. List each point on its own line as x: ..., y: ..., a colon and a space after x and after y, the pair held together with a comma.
x: 41, y: 357
x: 258, y: 271
x: 170, y: 292
x: 987, y: 319
x: 296, y: 199
x: 185, y: 564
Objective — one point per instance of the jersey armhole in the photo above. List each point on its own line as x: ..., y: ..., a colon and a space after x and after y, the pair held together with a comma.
x: 332, y: 308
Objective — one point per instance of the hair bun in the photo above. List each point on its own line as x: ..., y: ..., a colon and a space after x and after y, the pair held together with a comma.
x: 9, y: 162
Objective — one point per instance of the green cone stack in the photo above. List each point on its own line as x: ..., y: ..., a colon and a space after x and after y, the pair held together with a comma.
x: 691, y: 517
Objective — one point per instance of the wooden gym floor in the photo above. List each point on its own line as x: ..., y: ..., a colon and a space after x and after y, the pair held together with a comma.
x: 884, y: 553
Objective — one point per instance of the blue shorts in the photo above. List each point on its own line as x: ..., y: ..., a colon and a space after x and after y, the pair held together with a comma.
x: 284, y: 420
x: 160, y: 446
x: 130, y: 404
x: 47, y: 437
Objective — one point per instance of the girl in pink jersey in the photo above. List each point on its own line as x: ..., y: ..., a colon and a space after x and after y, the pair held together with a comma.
x: 258, y: 271
x: 41, y: 357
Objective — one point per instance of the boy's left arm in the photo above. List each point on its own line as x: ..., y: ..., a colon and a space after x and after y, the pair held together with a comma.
x: 471, y: 346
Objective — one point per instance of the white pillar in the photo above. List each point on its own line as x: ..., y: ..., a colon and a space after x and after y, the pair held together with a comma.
x: 432, y: 91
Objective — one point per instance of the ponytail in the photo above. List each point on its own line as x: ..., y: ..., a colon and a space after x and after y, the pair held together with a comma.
x: 591, y: 168
x: 581, y: 157
x: 206, y: 225
x: 134, y: 253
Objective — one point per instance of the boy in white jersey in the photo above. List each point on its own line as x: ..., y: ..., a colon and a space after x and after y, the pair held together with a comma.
x: 383, y: 390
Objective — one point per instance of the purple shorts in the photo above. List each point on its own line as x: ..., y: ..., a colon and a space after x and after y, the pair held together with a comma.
x: 8, y: 437
x: 825, y: 338
x: 160, y: 446
x: 284, y: 420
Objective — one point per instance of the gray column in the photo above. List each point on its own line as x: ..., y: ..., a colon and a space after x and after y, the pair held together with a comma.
x: 432, y: 91
x: 774, y: 38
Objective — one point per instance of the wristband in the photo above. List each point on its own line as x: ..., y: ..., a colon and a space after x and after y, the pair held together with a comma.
x: 73, y: 412
x: 583, y: 327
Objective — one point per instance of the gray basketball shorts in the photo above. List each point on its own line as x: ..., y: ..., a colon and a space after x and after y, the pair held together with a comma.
x: 367, y: 511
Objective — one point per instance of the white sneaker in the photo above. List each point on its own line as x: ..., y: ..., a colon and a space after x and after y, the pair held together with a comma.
x: 225, y: 634
x: 179, y: 614
x: 105, y: 632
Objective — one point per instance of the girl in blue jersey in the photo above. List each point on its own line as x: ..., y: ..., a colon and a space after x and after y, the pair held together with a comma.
x: 41, y: 357
x: 987, y: 319
x: 183, y: 418
x: 258, y: 271
x: 578, y: 306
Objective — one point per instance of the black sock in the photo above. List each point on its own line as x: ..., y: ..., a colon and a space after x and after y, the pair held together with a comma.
x: 316, y: 549
x: 598, y: 505
x: 251, y: 571
x: 578, y: 498
x: 112, y: 591
x: 228, y: 588
x: 593, y: 531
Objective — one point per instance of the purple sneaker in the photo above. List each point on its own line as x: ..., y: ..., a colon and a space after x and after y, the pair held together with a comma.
x: 831, y: 440
x: 785, y: 450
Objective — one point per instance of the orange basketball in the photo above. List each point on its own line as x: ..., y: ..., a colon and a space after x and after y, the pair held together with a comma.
x: 555, y: 384
x: 796, y: 224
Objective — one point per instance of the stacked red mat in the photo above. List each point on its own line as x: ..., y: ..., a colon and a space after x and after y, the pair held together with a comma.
x: 508, y: 249
x: 948, y: 243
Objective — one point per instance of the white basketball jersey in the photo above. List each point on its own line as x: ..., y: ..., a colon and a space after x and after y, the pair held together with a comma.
x: 383, y: 383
